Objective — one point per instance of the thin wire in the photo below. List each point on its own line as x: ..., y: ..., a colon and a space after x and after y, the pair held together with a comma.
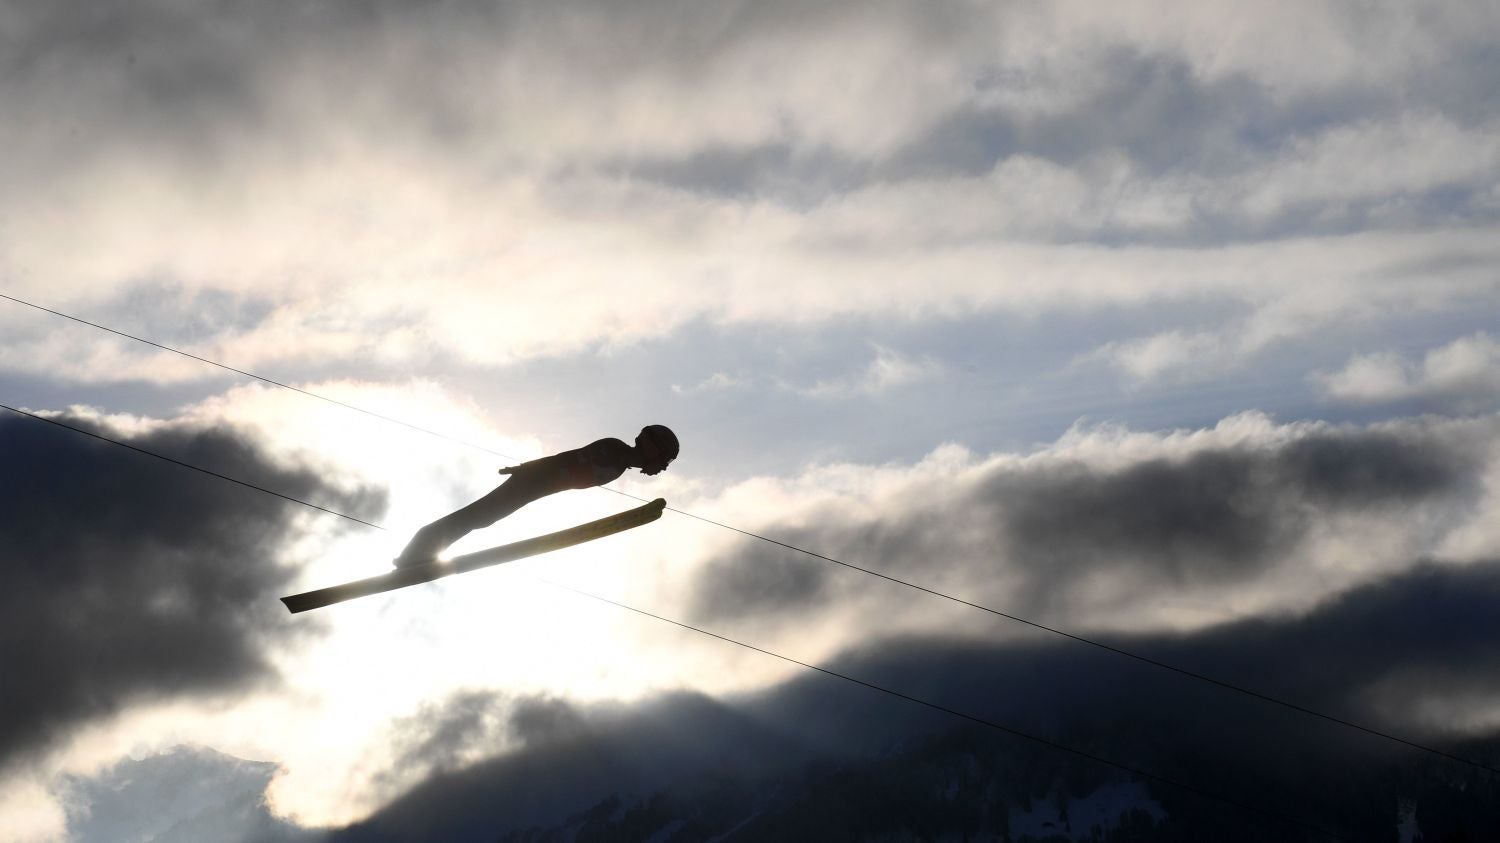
x: 1050, y: 744
x: 188, y: 465
x: 260, y: 378
x: 1229, y: 686
x: 954, y: 712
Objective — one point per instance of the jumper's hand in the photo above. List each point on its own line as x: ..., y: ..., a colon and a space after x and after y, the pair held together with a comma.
x: 510, y: 469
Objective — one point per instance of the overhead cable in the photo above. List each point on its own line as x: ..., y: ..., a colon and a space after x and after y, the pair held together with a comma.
x: 1054, y: 745
x: 1229, y: 686
x: 1050, y: 744
x: 178, y: 462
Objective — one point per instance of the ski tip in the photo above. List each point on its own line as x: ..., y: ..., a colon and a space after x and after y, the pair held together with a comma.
x: 649, y: 511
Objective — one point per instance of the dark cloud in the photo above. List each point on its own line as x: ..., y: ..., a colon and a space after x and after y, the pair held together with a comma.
x: 1376, y: 654
x: 816, y: 758
x: 151, y: 75
x: 598, y: 751
x: 1216, y: 516
x: 535, y: 720
x: 451, y: 734
x: 128, y: 578
x: 1212, y: 517
x: 741, y: 586
x: 197, y: 79
x: 1374, y: 469
x: 437, y: 737
x: 777, y: 170
x: 192, y: 314
x: 203, y: 86
x: 1154, y: 110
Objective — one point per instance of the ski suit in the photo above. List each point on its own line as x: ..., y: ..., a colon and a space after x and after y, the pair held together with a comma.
x: 595, y: 464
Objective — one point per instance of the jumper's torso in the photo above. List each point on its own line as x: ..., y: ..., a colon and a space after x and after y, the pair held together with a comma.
x: 595, y: 464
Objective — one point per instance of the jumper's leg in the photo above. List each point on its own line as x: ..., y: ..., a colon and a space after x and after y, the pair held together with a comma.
x: 434, y: 538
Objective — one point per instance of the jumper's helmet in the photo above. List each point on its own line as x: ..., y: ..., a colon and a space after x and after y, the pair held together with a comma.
x: 660, y: 439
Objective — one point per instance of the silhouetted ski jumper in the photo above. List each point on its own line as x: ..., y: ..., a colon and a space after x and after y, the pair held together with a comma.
x: 592, y: 465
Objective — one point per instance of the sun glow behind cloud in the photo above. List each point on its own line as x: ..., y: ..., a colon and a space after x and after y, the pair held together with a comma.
x: 362, y: 665
x: 385, y: 656
x: 370, y: 663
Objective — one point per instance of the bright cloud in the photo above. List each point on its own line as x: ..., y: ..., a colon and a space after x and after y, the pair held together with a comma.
x: 476, y: 211
x: 1464, y: 373
x: 1171, y: 352
x: 889, y: 370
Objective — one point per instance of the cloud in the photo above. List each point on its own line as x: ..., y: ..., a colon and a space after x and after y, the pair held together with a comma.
x: 1107, y: 527
x: 1331, y: 171
x: 889, y: 370
x: 1292, y: 565
x: 132, y: 580
x: 753, y: 582
x: 572, y: 755
x: 174, y: 75
x: 335, y: 159
x: 716, y: 382
x: 1464, y: 373
x: 777, y: 764
x: 186, y: 794
x: 458, y: 731
x: 1168, y: 353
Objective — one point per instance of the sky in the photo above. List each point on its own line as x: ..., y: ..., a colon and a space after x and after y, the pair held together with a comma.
x: 1172, y: 326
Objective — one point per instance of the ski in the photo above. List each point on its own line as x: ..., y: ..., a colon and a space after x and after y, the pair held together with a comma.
x: 417, y: 574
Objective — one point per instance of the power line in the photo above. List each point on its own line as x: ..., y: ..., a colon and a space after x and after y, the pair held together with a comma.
x: 188, y: 465
x: 260, y: 378
x: 1229, y: 686
x: 1050, y: 744
x: 1200, y: 792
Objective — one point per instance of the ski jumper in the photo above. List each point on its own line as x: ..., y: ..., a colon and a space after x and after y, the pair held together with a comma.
x: 592, y: 465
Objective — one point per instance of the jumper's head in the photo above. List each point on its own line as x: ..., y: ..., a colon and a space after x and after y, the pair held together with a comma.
x: 657, y: 445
